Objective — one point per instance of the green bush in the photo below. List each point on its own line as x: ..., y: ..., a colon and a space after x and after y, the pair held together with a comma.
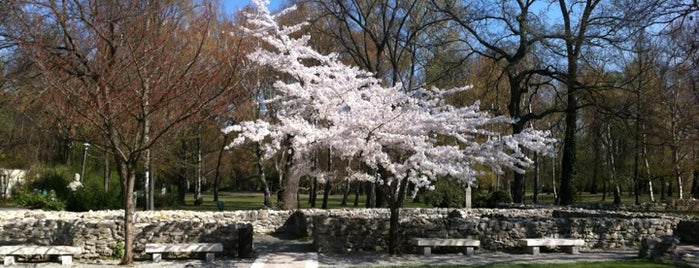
x: 52, y: 180
x: 447, y: 193
x: 118, y: 250
x: 490, y: 200
x: 498, y: 197
x: 92, y: 196
x: 168, y: 200
x: 38, y: 200
x: 480, y: 199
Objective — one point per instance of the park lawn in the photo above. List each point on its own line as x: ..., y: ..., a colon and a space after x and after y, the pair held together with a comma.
x: 588, y: 198
x: 253, y: 201
x: 609, y: 264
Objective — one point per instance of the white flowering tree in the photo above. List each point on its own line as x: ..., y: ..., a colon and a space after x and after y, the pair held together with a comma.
x: 399, y: 138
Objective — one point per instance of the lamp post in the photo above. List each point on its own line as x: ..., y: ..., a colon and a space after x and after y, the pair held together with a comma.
x: 82, y: 171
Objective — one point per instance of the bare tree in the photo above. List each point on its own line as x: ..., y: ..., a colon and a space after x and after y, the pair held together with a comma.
x: 512, y: 48
x: 128, y: 71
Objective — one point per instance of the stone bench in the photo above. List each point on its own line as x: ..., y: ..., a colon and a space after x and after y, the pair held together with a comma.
x: 64, y: 253
x: 571, y: 246
x: 209, y: 248
x: 425, y: 245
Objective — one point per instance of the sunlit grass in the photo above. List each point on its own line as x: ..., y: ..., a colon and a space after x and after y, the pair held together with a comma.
x: 252, y: 201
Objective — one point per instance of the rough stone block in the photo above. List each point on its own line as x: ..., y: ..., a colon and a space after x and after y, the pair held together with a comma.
x: 66, y: 260
x: 157, y: 257
x: 9, y: 260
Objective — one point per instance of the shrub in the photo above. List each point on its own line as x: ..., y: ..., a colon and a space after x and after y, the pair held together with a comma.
x: 38, y: 201
x: 92, y: 196
x: 168, y: 200
x: 490, y: 200
x: 480, y: 199
x: 52, y: 181
x: 447, y: 193
x: 118, y: 250
x: 498, y: 197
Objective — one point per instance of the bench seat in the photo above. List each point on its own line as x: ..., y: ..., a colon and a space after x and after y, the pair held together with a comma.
x: 64, y: 253
x: 425, y: 244
x: 571, y: 246
x: 209, y: 248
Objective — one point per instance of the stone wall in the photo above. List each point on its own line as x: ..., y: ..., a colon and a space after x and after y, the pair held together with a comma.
x: 497, y: 229
x: 337, y: 230
x: 99, y: 233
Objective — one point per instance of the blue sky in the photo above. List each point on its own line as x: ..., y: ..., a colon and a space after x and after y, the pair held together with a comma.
x: 231, y: 6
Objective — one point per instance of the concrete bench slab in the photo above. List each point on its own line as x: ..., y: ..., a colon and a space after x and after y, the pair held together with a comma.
x: 571, y: 246
x: 64, y: 253
x: 158, y: 249
x: 425, y: 244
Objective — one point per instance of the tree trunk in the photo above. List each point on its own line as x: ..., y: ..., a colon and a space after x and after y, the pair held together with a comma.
x: 345, y: 195
x: 106, y: 171
x: 553, y: 180
x: 128, y: 180
x: 370, y: 187
x: 676, y: 172
x: 182, y: 176
x: 313, y: 192
x: 197, y: 186
x: 326, y: 194
x: 380, y: 196
x: 290, y: 182
x: 356, y: 194
x: 648, y: 174
x: 328, y: 184
x: 267, y: 195
x: 695, y: 184
x: 537, y: 178
x: 568, y: 161
x: 397, y: 197
x: 217, y: 170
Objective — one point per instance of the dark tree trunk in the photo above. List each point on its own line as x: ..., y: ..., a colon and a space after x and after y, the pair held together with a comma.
x: 267, y: 196
x: 380, y: 196
x: 326, y: 194
x: 346, y: 193
x: 217, y: 170
x: 313, y: 192
x: 106, y: 171
x: 568, y: 162
x: 695, y: 184
x: 370, y: 187
x: 357, y: 189
x: 397, y: 198
x: 537, y: 177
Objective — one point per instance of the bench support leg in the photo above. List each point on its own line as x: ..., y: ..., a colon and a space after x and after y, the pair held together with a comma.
x: 209, y: 257
x: 572, y: 250
x: 425, y: 250
x: 469, y: 251
x: 157, y: 257
x: 66, y: 260
x: 9, y: 260
x: 532, y: 250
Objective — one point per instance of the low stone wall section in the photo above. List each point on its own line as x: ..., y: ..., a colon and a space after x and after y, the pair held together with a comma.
x: 497, y: 230
x: 336, y: 230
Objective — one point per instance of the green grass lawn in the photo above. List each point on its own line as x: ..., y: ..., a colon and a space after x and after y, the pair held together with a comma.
x: 610, y: 264
x: 251, y: 201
